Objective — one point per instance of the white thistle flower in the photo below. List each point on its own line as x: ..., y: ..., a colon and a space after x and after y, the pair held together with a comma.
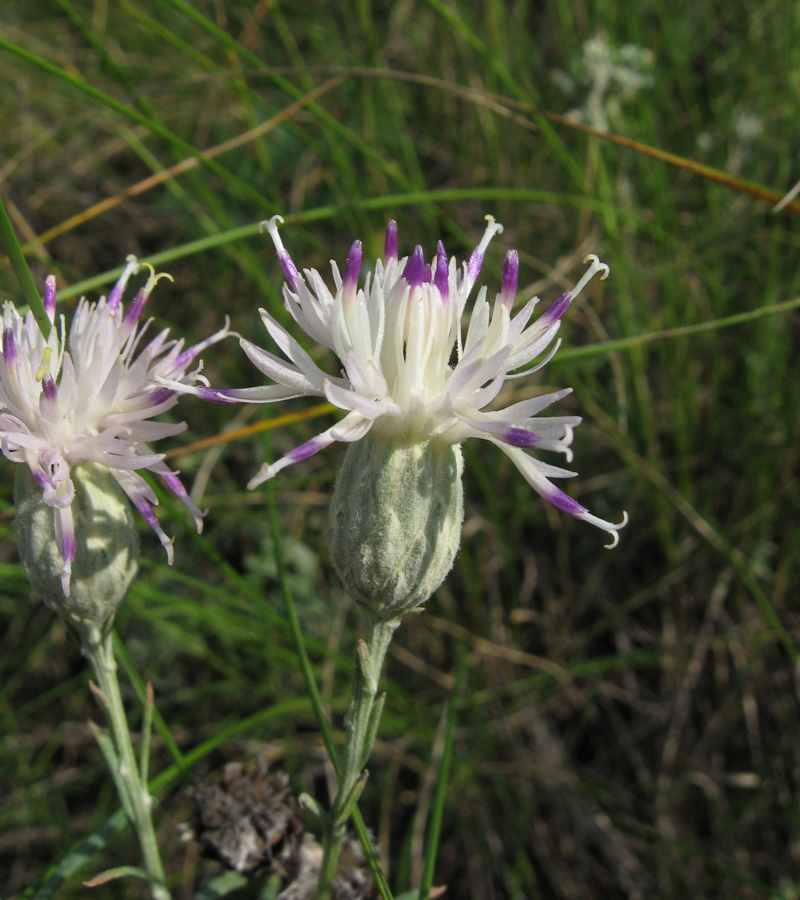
x: 99, y: 409
x: 396, y: 339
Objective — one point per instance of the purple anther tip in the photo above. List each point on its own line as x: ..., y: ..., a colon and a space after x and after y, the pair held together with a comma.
x: 172, y: 481
x: 474, y: 265
x: 563, y: 501
x: 390, y: 247
x: 440, y: 279
x: 50, y: 297
x: 510, y: 277
x: 304, y: 451
x: 68, y: 547
x: 49, y: 388
x: 115, y: 296
x: 352, y: 268
x: 520, y: 437
x: 160, y: 395
x: 414, y: 271
x: 10, y: 356
x: 215, y: 395
x: 136, y: 308
x: 558, y: 308
x: 289, y: 269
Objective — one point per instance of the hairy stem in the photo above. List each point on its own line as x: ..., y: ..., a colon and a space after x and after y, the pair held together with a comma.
x: 361, y: 723
x: 97, y: 647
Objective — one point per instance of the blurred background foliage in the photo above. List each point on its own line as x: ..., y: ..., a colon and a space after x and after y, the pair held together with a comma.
x: 629, y: 723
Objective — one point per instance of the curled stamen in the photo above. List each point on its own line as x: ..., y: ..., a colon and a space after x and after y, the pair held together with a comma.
x: 613, y: 530
x: 289, y: 268
x: 595, y: 267
x: 153, y: 280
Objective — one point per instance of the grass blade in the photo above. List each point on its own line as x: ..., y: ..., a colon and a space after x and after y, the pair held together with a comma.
x: 21, y: 270
x: 437, y: 809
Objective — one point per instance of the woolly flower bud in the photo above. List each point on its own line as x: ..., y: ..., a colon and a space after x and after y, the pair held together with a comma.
x: 395, y: 521
x: 106, y: 549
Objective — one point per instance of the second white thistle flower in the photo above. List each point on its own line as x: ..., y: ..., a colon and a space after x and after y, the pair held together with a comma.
x: 89, y: 399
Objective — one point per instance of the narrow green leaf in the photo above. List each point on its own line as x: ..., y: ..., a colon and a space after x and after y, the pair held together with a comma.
x: 134, y: 115
x: 112, y: 761
x: 114, y: 874
x: 221, y: 886
x: 11, y: 245
x: 556, y: 144
x: 571, y: 354
x: 437, y: 808
x: 123, y: 656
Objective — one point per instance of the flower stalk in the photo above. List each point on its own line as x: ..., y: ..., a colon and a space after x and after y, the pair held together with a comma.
x: 361, y: 724
x: 129, y: 775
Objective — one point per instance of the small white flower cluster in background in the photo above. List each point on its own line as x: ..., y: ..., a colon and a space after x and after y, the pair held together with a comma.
x: 613, y: 75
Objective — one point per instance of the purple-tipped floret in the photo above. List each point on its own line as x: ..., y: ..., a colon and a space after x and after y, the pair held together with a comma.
x: 520, y: 437
x: 352, y: 268
x: 50, y: 297
x: 115, y: 297
x: 10, y: 355
x: 414, y: 272
x: 304, y: 451
x: 557, y: 310
x: 289, y: 268
x: 440, y: 279
x: 510, y: 278
x: 135, y: 309
x: 160, y: 395
x: 564, y: 502
x: 216, y: 395
x: 49, y: 388
x: 390, y: 247
x: 474, y: 265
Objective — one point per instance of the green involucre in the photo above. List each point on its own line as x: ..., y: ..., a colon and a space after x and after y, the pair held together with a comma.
x: 395, y: 521
x: 107, y: 553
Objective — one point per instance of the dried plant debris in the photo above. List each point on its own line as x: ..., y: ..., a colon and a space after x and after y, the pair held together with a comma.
x: 353, y: 880
x: 249, y: 819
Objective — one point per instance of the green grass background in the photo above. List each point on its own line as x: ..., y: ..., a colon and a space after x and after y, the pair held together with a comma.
x: 628, y: 725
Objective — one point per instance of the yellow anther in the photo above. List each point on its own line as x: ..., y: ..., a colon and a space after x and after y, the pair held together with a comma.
x: 44, y: 366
